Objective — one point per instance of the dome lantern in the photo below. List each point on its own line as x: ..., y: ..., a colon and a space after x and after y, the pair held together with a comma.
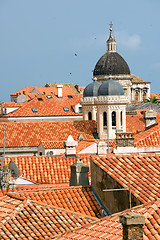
x: 111, y: 42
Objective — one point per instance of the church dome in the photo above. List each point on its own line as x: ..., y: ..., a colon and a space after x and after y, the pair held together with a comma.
x: 92, y: 89
x: 110, y: 88
x: 111, y: 63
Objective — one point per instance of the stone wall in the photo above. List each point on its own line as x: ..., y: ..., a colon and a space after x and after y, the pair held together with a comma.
x: 115, y: 201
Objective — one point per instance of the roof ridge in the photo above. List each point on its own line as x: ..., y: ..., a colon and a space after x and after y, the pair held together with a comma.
x: 149, y: 133
x: 16, y: 210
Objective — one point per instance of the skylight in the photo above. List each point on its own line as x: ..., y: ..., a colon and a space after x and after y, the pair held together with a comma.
x: 48, y: 96
x: 40, y: 99
x: 35, y: 110
x: 70, y: 96
x: 66, y: 109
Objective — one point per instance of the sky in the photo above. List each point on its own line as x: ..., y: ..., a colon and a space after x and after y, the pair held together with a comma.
x: 39, y: 40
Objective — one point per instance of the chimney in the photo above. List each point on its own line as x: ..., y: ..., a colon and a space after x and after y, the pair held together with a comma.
x: 79, y: 174
x: 101, y: 148
x: 4, y: 177
x: 150, y: 118
x: 59, y: 91
x: 70, y: 146
x: 132, y: 225
x: 124, y: 139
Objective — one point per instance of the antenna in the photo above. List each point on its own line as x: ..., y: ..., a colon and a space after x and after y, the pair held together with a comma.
x: 3, y: 158
x: 14, y: 170
x: 108, y: 135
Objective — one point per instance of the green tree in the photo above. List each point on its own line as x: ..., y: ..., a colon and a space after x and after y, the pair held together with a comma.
x: 152, y: 100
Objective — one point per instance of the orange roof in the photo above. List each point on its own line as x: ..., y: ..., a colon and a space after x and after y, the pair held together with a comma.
x: 45, y: 169
x: 12, y: 104
x: 110, y: 227
x: 47, y: 107
x: 142, y: 171
x: 150, y: 137
x: 50, y: 89
x: 8, y: 205
x: 25, y: 134
x: 156, y: 95
x: 136, y: 123
x: 53, y: 144
x: 77, y: 199
x: 32, y: 220
x: 138, y: 79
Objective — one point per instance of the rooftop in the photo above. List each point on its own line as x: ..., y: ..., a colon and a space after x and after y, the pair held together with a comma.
x: 110, y: 227
x: 140, y: 171
x: 79, y: 199
x: 25, y: 134
x: 45, y: 169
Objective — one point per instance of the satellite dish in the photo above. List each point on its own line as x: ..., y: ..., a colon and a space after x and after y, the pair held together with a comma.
x: 14, y: 170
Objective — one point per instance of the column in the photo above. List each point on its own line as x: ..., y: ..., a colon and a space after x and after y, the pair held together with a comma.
x: 124, y: 119
x: 94, y: 113
x: 118, y: 120
x: 109, y: 122
x: 85, y: 113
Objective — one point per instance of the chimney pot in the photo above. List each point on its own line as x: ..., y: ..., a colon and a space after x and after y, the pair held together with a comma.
x: 150, y: 118
x: 79, y: 174
x: 132, y: 225
x: 59, y: 91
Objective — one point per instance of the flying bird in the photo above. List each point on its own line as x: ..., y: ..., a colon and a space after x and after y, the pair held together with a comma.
x: 75, y: 54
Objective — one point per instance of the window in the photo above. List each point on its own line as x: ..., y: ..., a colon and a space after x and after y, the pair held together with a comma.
x: 66, y: 109
x: 121, y: 121
x: 49, y: 97
x: 70, y: 96
x: 89, y: 116
x: 104, y: 119
x: 34, y: 110
x: 40, y: 99
x: 40, y: 153
x: 80, y: 110
x: 113, y: 119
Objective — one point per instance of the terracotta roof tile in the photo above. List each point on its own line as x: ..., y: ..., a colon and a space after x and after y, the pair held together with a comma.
x: 51, y: 89
x: 53, y: 144
x: 150, y: 137
x: 32, y: 220
x: 47, y: 107
x: 45, y: 169
x: 76, y: 199
x: 110, y: 227
x: 137, y: 79
x: 136, y: 123
x: 142, y: 171
x: 25, y: 134
x: 8, y: 206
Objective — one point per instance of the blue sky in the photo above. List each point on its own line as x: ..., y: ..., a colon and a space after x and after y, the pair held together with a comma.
x: 39, y: 39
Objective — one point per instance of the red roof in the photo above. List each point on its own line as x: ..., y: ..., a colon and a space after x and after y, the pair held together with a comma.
x: 47, y: 107
x: 150, y: 137
x: 45, y: 169
x: 8, y: 206
x: 25, y: 134
x: 136, y: 123
x: 110, y: 227
x: 77, y: 199
x: 51, y: 89
x: 141, y: 171
x: 32, y: 220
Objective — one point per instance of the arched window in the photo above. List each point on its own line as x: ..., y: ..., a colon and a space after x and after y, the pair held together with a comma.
x: 121, y: 119
x: 104, y: 119
x: 136, y: 96
x: 114, y: 119
x: 89, y: 116
x: 144, y: 95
